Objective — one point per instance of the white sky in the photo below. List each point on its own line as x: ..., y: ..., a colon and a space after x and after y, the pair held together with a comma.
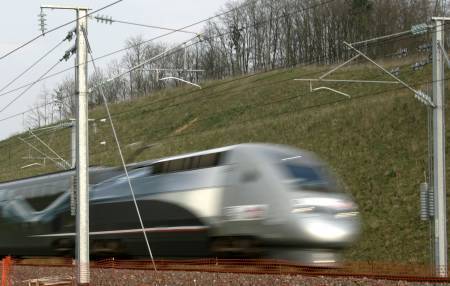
x: 19, y: 23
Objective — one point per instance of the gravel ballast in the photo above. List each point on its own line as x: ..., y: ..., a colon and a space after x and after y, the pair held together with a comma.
x: 20, y: 274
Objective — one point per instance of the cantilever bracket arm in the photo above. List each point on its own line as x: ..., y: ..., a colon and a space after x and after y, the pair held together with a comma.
x: 42, y: 153
x: 416, y: 92
x: 176, y: 78
x: 67, y: 165
x: 322, y: 78
x: 338, y: 67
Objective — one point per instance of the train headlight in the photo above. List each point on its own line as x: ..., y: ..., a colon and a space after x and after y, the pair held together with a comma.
x: 311, y: 204
x: 325, y: 230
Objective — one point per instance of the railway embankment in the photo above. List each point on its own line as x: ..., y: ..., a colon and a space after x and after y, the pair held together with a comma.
x: 376, y: 141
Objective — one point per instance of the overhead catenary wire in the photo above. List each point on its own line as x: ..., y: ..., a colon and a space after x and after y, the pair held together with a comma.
x: 240, y: 7
x: 135, y: 45
x: 250, y: 75
x: 266, y: 116
x: 219, y: 35
x: 121, y: 157
x: 225, y: 91
x: 283, y: 100
x: 32, y: 65
x: 303, y: 108
x: 184, y: 102
x: 165, y: 99
x: 111, y: 20
x: 144, y: 105
x: 180, y: 46
x: 31, y: 83
x: 29, y: 110
x: 57, y: 28
x: 168, y: 99
x: 263, y: 117
x: 153, y: 102
x: 184, y: 28
x: 29, y: 87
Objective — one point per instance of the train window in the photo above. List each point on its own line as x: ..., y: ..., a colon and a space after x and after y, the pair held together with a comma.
x: 188, y: 163
x: 157, y: 168
x: 175, y: 165
x: 307, y: 176
x: 303, y: 173
x: 209, y: 160
x: 195, y: 162
x: 165, y: 167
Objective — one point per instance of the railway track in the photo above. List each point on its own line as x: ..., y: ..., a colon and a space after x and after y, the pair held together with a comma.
x: 378, y: 271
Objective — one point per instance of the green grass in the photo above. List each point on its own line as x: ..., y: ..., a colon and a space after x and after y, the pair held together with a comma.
x: 376, y: 141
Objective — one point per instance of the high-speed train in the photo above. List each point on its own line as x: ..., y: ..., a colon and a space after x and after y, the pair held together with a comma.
x: 252, y: 200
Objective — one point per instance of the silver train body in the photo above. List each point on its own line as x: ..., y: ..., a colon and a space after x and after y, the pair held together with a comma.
x: 249, y: 200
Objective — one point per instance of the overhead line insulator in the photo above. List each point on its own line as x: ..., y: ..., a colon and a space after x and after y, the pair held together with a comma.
x: 42, y: 21
x: 419, y: 29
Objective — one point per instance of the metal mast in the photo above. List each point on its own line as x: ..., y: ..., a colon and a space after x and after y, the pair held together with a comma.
x: 82, y: 154
x: 82, y: 162
x: 82, y: 151
x: 439, y: 147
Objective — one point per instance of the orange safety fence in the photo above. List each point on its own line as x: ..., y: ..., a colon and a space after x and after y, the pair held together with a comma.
x: 374, y: 270
x: 6, y: 267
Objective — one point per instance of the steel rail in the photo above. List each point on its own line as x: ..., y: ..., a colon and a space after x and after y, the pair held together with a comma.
x: 250, y: 266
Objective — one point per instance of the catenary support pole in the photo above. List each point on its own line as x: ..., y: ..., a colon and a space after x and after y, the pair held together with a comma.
x: 82, y: 148
x: 83, y: 277
x: 439, y: 149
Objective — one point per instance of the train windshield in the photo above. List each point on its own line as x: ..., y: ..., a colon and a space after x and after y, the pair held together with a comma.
x: 311, y: 177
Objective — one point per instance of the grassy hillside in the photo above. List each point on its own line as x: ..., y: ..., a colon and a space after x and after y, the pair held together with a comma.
x: 376, y: 141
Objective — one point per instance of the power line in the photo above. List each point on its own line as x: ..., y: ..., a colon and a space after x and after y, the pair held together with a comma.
x: 182, y: 95
x: 210, y: 97
x: 279, y: 101
x: 57, y: 28
x: 222, y: 34
x: 174, y: 49
x: 184, y: 28
x: 111, y: 20
x: 22, y: 93
x: 195, y: 91
x: 32, y: 65
x: 266, y: 116
x: 133, y: 46
x: 28, y: 110
x: 151, y: 103
x: 31, y: 83
x: 291, y: 98
x: 218, y: 35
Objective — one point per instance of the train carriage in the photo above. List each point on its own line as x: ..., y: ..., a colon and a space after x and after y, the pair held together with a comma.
x: 252, y: 200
